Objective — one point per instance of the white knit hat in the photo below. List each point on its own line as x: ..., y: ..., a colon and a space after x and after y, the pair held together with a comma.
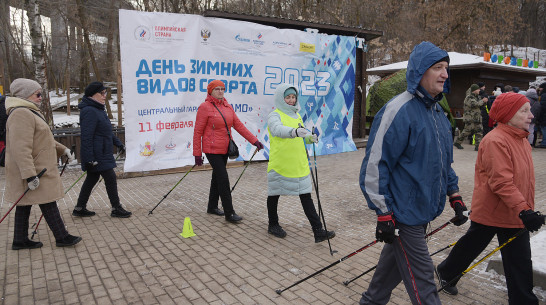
x: 23, y: 88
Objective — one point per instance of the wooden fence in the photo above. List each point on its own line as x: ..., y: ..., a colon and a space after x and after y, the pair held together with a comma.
x: 71, y: 138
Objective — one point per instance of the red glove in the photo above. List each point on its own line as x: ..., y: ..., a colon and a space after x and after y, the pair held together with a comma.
x: 259, y: 145
x: 198, y: 160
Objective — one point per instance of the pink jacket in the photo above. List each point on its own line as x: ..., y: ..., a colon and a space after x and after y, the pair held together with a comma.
x: 504, y: 179
x: 210, y: 133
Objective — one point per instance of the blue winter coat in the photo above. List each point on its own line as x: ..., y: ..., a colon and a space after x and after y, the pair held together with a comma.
x: 97, y: 139
x: 407, y: 167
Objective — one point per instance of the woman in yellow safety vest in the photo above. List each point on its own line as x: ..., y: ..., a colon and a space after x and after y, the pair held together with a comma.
x: 288, y: 170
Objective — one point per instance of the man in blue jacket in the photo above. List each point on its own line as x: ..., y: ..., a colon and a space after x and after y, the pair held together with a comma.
x: 406, y: 176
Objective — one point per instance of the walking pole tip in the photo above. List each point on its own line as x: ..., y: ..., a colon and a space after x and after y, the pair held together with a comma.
x: 278, y: 291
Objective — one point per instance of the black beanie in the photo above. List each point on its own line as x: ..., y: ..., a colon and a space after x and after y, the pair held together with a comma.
x: 543, y: 85
x: 93, y: 88
x: 446, y: 58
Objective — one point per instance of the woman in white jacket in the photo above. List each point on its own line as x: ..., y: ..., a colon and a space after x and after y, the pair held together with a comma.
x: 288, y: 170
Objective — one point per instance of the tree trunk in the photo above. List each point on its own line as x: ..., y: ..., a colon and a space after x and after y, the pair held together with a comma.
x: 38, y: 56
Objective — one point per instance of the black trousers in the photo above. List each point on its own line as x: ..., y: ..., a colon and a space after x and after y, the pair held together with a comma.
x: 308, y: 209
x: 219, y: 184
x: 109, y: 181
x: 516, y: 259
x: 51, y: 216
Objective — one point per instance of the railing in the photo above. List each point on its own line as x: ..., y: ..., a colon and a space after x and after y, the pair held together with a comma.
x: 71, y: 138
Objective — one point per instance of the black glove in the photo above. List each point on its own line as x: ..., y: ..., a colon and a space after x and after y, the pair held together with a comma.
x: 458, y: 206
x: 531, y: 220
x: 121, y: 148
x: 385, y: 228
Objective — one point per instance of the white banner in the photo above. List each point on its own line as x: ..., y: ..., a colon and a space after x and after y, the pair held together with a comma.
x: 167, y: 60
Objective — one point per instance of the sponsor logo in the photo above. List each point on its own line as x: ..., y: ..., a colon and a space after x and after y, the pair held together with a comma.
x: 240, y: 38
x: 169, y: 148
x: 205, y: 34
x: 147, y: 149
x: 307, y: 47
x: 258, y: 41
x: 142, y: 33
x: 282, y: 44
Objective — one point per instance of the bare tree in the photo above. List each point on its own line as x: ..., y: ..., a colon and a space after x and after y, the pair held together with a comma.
x: 38, y: 55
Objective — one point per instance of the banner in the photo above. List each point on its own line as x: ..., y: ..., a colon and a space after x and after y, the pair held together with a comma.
x: 167, y: 60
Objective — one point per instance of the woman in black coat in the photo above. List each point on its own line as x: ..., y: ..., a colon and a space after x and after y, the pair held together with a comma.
x: 97, y: 144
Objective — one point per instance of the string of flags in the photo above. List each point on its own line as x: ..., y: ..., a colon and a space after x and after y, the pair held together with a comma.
x: 507, y: 60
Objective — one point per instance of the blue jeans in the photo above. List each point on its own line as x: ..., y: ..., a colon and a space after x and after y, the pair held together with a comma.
x: 543, y: 131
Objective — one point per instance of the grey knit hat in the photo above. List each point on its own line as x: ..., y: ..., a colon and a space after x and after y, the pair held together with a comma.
x: 24, y: 88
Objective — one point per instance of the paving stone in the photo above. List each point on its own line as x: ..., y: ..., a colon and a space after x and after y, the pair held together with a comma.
x: 144, y: 260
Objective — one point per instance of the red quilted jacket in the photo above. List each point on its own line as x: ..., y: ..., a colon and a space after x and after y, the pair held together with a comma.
x: 210, y: 133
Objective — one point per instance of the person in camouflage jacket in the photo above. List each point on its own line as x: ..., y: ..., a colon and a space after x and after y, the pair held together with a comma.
x: 472, y: 118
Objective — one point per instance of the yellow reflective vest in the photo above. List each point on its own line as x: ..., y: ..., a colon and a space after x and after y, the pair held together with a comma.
x: 287, y: 156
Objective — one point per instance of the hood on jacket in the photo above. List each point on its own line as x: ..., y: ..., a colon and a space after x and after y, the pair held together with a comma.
x: 532, y: 94
x: 12, y: 102
x: 87, y: 101
x: 423, y: 56
x: 281, y: 104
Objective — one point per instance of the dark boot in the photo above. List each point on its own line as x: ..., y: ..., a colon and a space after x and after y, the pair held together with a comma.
x: 276, y: 230
x: 215, y: 211
x: 322, y: 235
x: 120, y: 212
x: 451, y: 289
x: 82, y: 212
x: 233, y: 218
x: 459, y: 146
x: 28, y: 244
x: 68, y: 240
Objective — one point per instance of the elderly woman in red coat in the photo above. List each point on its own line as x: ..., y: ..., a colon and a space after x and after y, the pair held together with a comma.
x: 503, y: 202
x: 211, y: 137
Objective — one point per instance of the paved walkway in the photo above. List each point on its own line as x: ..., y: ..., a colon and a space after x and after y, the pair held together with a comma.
x: 144, y: 260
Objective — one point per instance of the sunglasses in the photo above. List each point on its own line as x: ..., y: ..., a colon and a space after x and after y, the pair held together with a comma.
x: 38, y: 95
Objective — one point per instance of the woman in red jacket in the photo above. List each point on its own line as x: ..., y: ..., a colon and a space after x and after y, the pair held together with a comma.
x: 211, y: 137
x: 503, y: 202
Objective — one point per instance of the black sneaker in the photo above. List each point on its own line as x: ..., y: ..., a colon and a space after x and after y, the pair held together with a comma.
x: 215, y: 211
x: 120, y: 212
x: 459, y: 146
x: 68, y: 240
x: 28, y: 244
x: 322, y: 235
x: 234, y: 218
x: 451, y: 289
x: 276, y: 230
x: 84, y: 212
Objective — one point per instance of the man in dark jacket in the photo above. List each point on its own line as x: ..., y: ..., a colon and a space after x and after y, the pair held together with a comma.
x: 541, y: 120
x: 406, y: 176
x: 97, y: 144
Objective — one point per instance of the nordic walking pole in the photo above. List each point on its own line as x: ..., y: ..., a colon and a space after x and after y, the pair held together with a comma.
x: 26, y: 191
x: 149, y: 213
x: 315, y: 182
x: 255, y: 151
x: 481, y: 260
x: 42, y: 216
x: 426, y: 236
x: 279, y: 291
